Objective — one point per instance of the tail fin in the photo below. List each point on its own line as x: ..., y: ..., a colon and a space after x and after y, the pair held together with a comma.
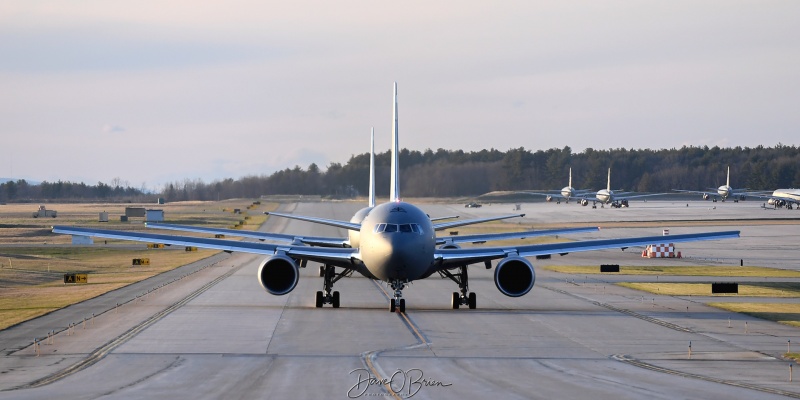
x: 372, y: 168
x: 728, y: 181
x: 608, y: 186
x: 394, y: 194
x: 570, y: 176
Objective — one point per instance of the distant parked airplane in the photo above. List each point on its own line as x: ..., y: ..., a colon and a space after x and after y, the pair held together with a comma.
x: 722, y: 192
x: 788, y: 198
x: 616, y: 200
x: 565, y: 193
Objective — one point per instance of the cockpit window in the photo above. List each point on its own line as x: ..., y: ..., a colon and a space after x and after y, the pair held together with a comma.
x: 403, y: 228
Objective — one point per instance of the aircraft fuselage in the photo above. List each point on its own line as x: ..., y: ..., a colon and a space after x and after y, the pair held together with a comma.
x: 605, y: 196
x: 354, y: 237
x: 397, y: 242
x: 724, y: 191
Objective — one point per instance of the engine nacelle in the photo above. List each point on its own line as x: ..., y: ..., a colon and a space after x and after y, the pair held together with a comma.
x: 450, y: 246
x: 514, y: 276
x: 549, y: 198
x: 584, y: 202
x: 706, y: 196
x: 278, y: 274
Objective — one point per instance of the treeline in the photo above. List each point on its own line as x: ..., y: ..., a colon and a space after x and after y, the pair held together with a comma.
x: 448, y: 173
x: 21, y: 190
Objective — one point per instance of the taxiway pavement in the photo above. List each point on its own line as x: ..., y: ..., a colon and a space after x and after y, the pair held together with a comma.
x: 217, y: 334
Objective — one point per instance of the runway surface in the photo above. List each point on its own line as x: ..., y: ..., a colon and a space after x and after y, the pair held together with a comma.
x: 215, y: 333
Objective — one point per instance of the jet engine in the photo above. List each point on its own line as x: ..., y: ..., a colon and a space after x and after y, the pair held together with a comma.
x: 706, y: 196
x: 278, y: 274
x: 450, y: 246
x: 514, y: 276
x: 549, y: 198
x: 584, y: 202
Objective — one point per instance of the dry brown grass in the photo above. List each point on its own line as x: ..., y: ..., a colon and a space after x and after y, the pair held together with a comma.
x: 679, y: 270
x: 784, y: 313
x: 759, y: 289
x: 33, y: 260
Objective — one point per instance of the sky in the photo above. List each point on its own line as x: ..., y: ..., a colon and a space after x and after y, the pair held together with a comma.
x: 151, y: 92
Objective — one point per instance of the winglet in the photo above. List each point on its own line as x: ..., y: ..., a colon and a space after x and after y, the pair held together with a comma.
x: 608, y: 186
x: 372, y: 168
x: 394, y: 194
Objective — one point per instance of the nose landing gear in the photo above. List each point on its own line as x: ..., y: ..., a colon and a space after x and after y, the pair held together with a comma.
x: 398, y: 303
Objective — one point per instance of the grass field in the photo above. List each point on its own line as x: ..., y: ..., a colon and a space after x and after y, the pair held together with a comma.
x: 680, y: 271
x: 748, y: 289
x: 785, y: 313
x: 33, y: 260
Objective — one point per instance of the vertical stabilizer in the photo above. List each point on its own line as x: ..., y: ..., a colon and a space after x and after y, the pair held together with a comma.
x: 608, y: 185
x: 372, y: 168
x: 728, y: 180
x: 394, y: 194
x: 570, y: 176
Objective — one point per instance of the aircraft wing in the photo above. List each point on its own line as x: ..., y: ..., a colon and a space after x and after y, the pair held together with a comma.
x: 788, y: 200
x: 344, y: 257
x: 697, y: 192
x: 332, y: 222
x: 450, y: 258
x: 476, y: 239
x: 447, y: 225
x: 443, y: 218
x: 636, y: 196
x: 552, y: 195
x: 555, y: 193
x: 277, y: 237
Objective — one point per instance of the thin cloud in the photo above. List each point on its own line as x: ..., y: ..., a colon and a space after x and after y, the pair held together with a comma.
x: 108, y: 128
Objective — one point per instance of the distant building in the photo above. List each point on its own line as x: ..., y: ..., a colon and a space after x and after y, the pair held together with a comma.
x: 154, y: 216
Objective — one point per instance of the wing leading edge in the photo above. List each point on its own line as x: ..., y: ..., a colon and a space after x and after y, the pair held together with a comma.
x: 341, y: 257
x: 309, y: 240
x: 449, y: 258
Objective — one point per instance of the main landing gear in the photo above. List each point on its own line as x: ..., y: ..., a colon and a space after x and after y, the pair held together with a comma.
x: 462, y: 279
x: 328, y: 272
x: 398, y: 303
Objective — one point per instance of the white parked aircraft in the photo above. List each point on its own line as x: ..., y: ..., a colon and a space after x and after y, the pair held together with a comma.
x: 722, y: 192
x: 616, y: 200
x: 788, y: 198
x: 565, y: 193
x: 397, y: 245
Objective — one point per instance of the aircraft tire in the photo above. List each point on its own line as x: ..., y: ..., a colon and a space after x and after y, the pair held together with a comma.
x: 335, y: 299
x: 392, y: 306
x: 402, y: 305
x: 319, y: 299
x: 473, y: 301
x: 456, y: 301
